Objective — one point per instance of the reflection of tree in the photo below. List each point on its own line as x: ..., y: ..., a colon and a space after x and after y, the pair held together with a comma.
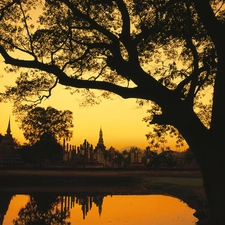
x: 42, y: 210
x: 52, y: 210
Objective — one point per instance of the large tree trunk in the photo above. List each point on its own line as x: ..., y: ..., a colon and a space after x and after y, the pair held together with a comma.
x: 208, y: 148
x: 211, y: 159
x: 214, y: 187
x: 213, y: 172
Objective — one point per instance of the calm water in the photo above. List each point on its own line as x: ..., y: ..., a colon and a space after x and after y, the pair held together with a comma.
x: 96, y: 209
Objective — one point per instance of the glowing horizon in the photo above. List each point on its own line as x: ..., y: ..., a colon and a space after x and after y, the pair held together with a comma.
x: 120, y: 120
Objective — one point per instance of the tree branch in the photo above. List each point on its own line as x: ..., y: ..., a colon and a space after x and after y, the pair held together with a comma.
x: 213, y: 26
x: 194, y: 77
x: 93, y: 23
x: 125, y: 18
x: 49, y: 91
x: 72, y: 82
x: 27, y: 29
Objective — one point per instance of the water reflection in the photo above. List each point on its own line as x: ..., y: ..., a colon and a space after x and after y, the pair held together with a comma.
x: 86, y: 203
x: 94, y: 209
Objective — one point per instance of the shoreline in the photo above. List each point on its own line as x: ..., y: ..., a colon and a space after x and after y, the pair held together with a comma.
x: 185, y: 185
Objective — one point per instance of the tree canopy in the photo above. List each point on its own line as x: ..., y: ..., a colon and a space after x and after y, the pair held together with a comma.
x: 168, y: 52
x: 40, y: 123
x: 142, y: 49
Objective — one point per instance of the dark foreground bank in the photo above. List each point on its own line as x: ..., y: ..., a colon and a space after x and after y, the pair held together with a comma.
x: 185, y: 185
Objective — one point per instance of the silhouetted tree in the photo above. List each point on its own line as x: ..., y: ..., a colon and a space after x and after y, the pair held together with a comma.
x: 118, y: 162
x: 40, y: 124
x: 26, y: 152
x: 169, y: 52
x: 47, y: 149
x: 166, y: 159
x: 126, y: 158
x: 16, y: 143
x: 188, y: 156
x: 149, y: 158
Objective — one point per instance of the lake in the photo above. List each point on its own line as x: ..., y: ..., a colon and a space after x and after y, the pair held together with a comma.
x: 52, y: 208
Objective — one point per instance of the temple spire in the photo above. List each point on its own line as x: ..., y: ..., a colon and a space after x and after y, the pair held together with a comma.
x: 8, y: 131
x: 100, y: 140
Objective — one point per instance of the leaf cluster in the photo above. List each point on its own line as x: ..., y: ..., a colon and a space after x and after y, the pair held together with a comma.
x: 50, y: 122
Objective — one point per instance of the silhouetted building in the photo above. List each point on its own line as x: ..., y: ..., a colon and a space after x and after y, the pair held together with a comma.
x: 86, y: 156
x: 9, y: 157
x: 99, y: 152
x: 136, y: 158
x: 86, y: 151
x: 7, y: 140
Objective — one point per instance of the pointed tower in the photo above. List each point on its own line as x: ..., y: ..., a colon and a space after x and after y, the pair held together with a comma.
x: 100, y: 148
x: 9, y: 157
x: 100, y: 140
x: 7, y: 140
x: 100, y: 144
x: 8, y: 131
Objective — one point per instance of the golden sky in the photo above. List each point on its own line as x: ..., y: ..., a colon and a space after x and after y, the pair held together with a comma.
x: 120, y: 120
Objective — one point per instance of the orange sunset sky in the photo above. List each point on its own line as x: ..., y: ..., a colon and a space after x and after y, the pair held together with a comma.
x: 120, y: 119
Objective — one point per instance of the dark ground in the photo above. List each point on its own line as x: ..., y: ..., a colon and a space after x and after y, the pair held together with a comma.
x: 185, y: 185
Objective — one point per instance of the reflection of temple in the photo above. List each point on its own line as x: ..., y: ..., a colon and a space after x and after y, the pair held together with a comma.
x: 86, y: 202
x: 9, y: 157
x: 87, y: 156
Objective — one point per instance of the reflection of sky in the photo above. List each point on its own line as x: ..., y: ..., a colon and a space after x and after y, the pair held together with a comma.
x: 120, y: 210
x: 16, y: 203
